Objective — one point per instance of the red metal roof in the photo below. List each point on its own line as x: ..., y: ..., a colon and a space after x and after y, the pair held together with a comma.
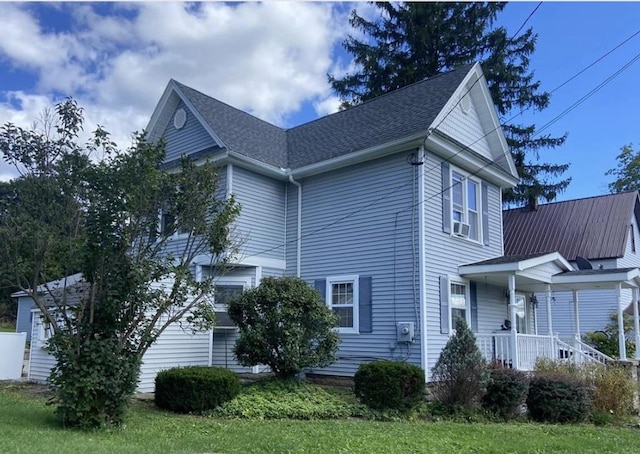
x: 594, y: 228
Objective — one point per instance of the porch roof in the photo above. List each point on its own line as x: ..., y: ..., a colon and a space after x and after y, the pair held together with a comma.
x: 534, y: 272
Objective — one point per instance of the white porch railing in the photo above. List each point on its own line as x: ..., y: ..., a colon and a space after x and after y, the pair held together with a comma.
x: 499, y: 347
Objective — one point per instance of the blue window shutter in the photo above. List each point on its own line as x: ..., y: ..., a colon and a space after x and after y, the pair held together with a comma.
x: 485, y: 213
x: 445, y: 289
x: 365, y: 305
x: 321, y: 286
x: 446, y: 198
x: 474, y: 307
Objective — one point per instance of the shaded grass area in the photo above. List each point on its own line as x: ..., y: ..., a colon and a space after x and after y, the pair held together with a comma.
x: 6, y: 327
x: 27, y: 425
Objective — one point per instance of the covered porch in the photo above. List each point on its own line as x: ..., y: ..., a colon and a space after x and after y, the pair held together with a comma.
x: 519, y: 345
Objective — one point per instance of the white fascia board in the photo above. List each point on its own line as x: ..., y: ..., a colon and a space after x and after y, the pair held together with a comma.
x: 265, y: 262
x: 474, y: 74
x: 173, y: 90
x: 521, y: 265
x: 356, y: 157
x: 469, y: 160
x: 613, y: 277
x: 257, y: 166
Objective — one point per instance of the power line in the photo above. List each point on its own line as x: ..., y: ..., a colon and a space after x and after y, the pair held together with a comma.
x: 468, y: 147
x: 527, y: 20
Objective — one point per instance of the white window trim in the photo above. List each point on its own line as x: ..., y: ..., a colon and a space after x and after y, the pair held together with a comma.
x: 347, y: 278
x: 465, y: 203
x: 176, y: 234
x: 467, y: 299
x: 245, y: 281
x: 527, y: 318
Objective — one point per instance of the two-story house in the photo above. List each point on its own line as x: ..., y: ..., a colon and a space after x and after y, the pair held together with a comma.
x: 392, y: 209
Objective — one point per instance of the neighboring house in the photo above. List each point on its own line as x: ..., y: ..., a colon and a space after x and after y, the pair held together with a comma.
x: 603, y: 230
x: 392, y: 209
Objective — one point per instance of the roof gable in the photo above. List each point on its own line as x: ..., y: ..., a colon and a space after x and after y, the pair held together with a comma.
x: 404, y: 115
x: 594, y: 227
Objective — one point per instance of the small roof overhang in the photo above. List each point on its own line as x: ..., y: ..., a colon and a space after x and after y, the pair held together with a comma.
x: 533, y: 271
x: 599, y: 278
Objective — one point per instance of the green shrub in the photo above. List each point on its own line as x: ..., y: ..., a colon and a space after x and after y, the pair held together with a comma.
x: 389, y: 385
x: 285, y: 324
x: 610, y: 388
x: 557, y: 398
x: 460, y: 374
x: 195, y: 389
x: 292, y: 399
x: 506, y: 392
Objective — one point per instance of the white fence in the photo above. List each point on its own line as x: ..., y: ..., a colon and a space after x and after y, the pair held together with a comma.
x: 12, y: 355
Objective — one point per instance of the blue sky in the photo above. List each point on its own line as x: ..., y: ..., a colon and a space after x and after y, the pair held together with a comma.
x: 272, y: 59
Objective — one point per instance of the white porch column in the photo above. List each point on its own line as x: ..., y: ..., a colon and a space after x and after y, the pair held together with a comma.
x: 512, y: 317
x: 549, y: 319
x: 576, y: 316
x: 636, y: 321
x: 621, y: 340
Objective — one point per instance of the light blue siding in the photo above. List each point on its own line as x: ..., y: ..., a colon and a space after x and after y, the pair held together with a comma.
x: 24, y: 319
x: 261, y: 225
x: 187, y: 140
x: 445, y: 253
x: 377, y: 239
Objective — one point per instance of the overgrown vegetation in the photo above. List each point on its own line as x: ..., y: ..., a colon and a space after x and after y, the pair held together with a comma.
x: 284, y: 324
x: 606, y: 340
x: 556, y: 398
x: 610, y: 388
x: 390, y: 385
x: 506, y: 392
x: 67, y: 214
x: 195, y: 389
x: 460, y: 374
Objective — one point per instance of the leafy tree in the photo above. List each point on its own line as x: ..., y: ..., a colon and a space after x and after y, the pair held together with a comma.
x: 412, y: 41
x: 606, y: 341
x: 627, y: 172
x: 461, y: 373
x: 284, y: 324
x: 67, y: 214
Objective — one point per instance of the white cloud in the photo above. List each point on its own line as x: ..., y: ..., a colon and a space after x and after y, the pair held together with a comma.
x: 267, y: 58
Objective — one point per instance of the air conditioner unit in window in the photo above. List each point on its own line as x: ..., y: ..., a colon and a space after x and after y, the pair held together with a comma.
x: 460, y: 229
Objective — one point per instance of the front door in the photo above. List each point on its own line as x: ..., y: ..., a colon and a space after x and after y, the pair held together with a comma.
x: 521, y: 314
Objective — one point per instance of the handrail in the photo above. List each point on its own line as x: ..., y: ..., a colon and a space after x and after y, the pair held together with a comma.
x: 589, y: 354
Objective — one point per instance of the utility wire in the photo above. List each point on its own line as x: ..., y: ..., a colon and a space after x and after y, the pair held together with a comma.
x: 527, y: 20
x: 468, y: 147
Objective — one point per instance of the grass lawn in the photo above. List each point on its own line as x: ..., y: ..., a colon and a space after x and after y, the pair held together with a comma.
x: 7, y: 327
x: 27, y: 425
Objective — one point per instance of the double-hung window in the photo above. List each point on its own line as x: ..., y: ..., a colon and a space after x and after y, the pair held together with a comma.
x: 458, y: 303
x: 342, y: 298
x: 465, y: 205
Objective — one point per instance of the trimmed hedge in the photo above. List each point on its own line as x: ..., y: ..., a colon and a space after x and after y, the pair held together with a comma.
x: 557, y: 399
x: 195, y: 389
x: 389, y: 385
x: 506, y: 392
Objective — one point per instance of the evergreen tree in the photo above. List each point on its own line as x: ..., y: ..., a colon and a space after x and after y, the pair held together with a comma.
x: 409, y: 42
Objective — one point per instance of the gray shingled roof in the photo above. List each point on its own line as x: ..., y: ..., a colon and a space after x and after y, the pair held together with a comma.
x: 401, y: 113
x: 594, y: 228
x: 241, y: 132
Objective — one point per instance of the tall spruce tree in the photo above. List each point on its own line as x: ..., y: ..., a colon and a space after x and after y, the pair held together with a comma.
x: 409, y: 42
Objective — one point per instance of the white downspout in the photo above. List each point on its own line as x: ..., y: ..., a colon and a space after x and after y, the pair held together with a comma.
x: 421, y: 264
x: 299, y: 241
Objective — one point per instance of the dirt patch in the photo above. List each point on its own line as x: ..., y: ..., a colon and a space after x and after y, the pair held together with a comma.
x: 26, y: 387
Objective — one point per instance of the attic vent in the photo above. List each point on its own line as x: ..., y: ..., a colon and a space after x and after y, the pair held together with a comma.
x: 465, y: 104
x: 179, y: 119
